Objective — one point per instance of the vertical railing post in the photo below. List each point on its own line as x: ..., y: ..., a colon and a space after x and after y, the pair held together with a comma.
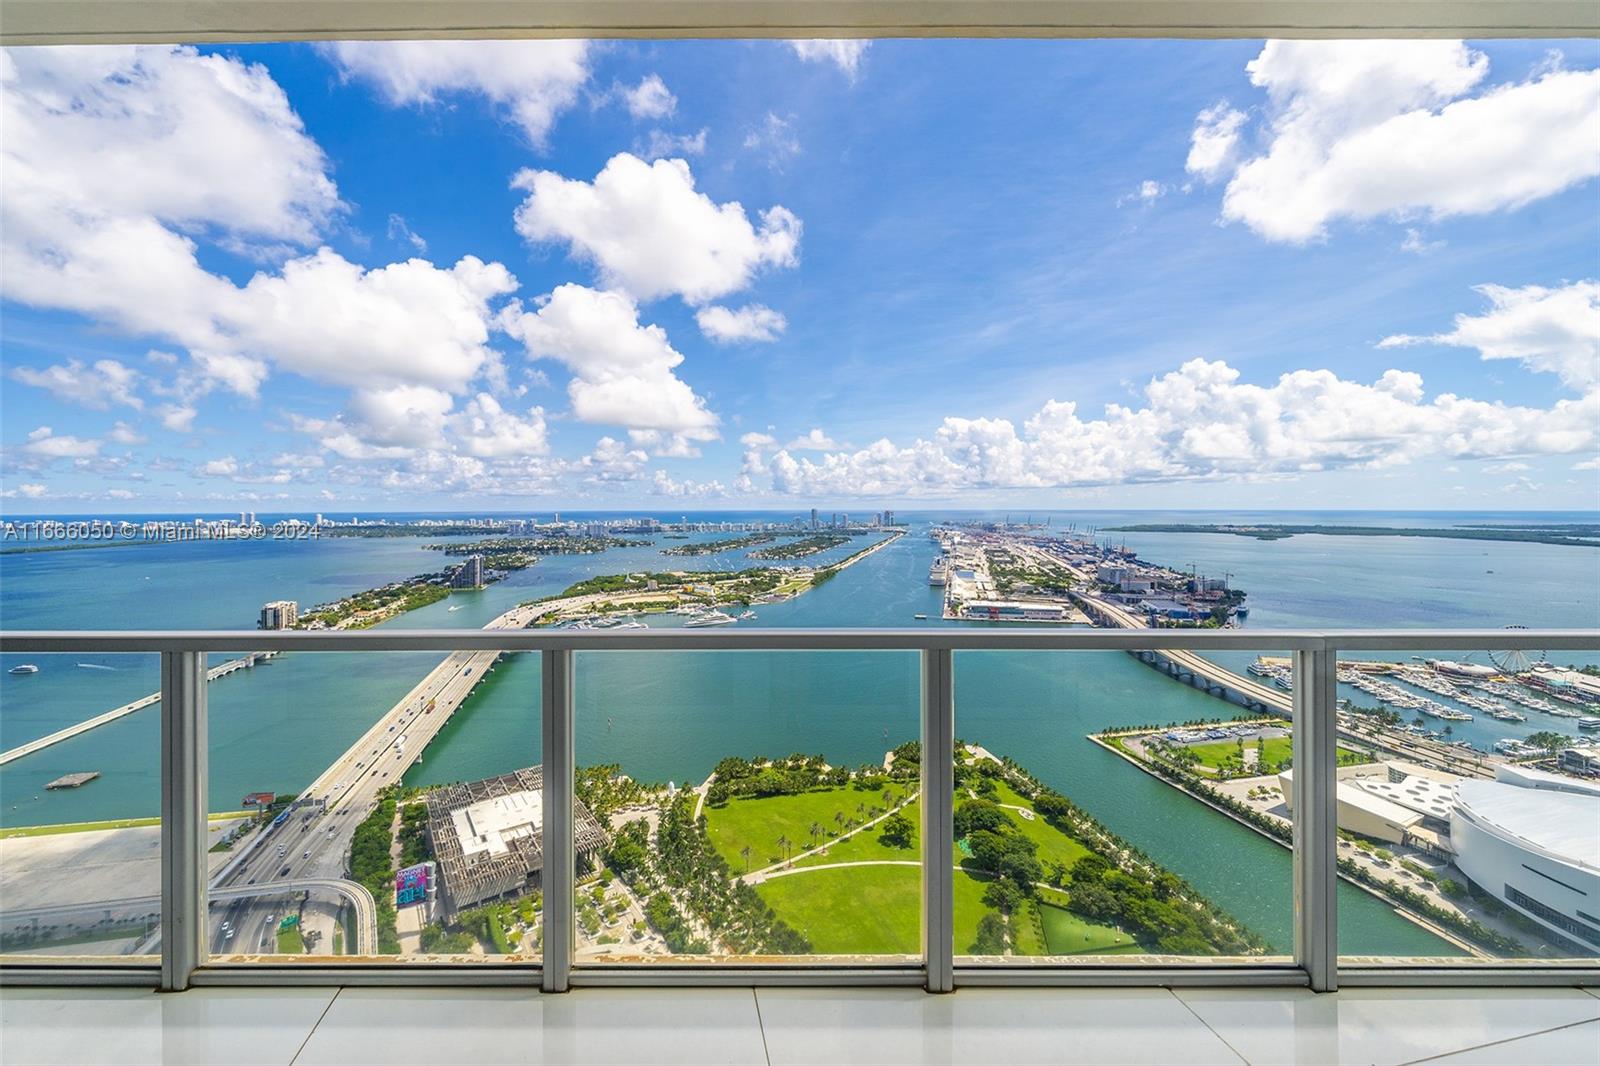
x: 1316, y: 870
x: 938, y: 796
x: 560, y: 868
x: 183, y: 816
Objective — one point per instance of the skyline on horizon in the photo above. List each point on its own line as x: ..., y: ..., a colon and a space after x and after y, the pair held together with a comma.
x: 761, y: 276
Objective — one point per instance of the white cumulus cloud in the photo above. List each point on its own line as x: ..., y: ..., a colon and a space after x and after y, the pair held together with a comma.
x: 532, y: 81
x: 846, y: 55
x: 1556, y: 331
x: 45, y: 444
x: 649, y: 99
x: 1215, y: 141
x: 622, y: 370
x: 649, y: 232
x: 120, y: 161
x: 753, y: 322
x: 98, y: 385
x: 815, y: 441
x: 1399, y: 129
x: 1201, y: 422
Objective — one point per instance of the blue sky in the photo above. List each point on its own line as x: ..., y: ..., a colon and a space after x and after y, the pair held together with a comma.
x: 1143, y: 274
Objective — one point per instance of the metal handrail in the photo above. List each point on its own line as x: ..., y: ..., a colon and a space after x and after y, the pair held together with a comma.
x: 831, y: 639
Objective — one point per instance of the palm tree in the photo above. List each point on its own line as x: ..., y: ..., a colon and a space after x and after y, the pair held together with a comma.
x: 838, y: 819
x: 784, y: 844
x: 815, y: 831
x: 744, y: 853
x: 888, y: 797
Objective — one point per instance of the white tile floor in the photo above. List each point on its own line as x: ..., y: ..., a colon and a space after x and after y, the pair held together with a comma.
x: 1548, y: 1027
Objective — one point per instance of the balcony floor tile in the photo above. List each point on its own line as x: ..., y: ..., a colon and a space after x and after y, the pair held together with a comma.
x: 1380, y: 1025
x: 1572, y: 1045
x: 520, y: 1026
x: 887, y: 1027
x: 125, y: 1025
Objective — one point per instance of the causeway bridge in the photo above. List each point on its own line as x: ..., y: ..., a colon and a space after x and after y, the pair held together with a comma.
x: 126, y: 709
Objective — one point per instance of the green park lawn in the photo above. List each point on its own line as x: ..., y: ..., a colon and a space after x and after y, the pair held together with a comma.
x: 1274, y: 751
x: 759, y: 822
x: 868, y: 846
x: 1054, y: 845
x: 867, y: 910
x: 1067, y: 934
x: 875, y: 909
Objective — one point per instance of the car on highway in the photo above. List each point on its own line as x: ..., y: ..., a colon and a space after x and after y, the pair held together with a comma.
x: 283, y: 872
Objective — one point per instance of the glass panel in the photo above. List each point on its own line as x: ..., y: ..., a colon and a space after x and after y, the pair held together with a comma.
x: 1478, y: 818
x: 392, y: 803
x: 80, y: 806
x: 756, y: 805
x: 1119, y: 804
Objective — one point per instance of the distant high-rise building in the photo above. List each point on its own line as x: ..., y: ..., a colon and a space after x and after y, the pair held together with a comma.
x: 279, y: 614
x: 813, y: 518
x: 319, y: 518
x: 470, y: 574
x: 888, y: 518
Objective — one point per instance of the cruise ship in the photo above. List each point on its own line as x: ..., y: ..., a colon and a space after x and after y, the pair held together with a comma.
x: 936, y: 573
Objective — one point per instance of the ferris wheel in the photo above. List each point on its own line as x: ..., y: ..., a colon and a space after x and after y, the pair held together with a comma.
x: 1517, y: 662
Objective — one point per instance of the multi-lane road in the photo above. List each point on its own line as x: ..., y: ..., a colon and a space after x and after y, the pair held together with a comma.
x: 312, y: 844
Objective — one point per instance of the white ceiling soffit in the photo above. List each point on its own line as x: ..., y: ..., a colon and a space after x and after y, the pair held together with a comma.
x: 120, y: 21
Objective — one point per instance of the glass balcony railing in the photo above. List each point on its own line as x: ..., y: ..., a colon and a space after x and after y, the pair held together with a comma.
x: 80, y: 809
x: 930, y: 806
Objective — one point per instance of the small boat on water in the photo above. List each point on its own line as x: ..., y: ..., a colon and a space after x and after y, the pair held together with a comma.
x: 1506, y: 715
x: 94, y: 666
x: 920, y: 617
x: 631, y: 625
x: 1259, y: 668
x: 710, y: 618
x: 457, y: 607
x: 747, y: 616
x: 23, y: 668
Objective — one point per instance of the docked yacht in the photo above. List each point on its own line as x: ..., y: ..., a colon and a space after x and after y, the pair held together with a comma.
x: 710, y: 618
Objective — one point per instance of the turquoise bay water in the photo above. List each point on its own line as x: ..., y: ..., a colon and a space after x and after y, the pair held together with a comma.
x: 670, y: 717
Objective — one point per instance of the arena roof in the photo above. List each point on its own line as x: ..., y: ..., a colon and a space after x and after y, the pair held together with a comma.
x: 1565, y: 825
